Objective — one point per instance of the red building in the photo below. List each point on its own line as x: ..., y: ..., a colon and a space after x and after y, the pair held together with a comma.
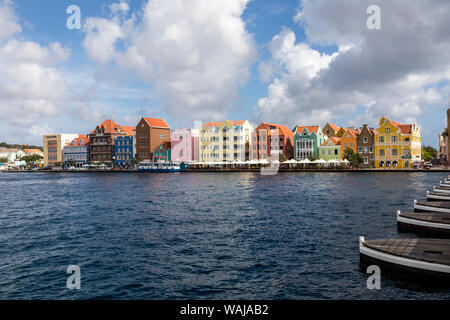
x: 263, y: 140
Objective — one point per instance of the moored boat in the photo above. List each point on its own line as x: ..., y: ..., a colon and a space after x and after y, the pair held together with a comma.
x: 159, y: 167
x: 426, y: 223
x: 441, y: 189
x: 421, y: 258
x: 432, y: 206
x: 438, y: 195
x: 444, y: 184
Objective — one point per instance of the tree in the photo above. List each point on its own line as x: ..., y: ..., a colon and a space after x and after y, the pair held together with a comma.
x: 312, y: 157
x: 283, y: 158
x: 135, y: 161
x: 71, y: 163
x: 355, y: 158
x: 32, y: 159
x: 4, y: 160
x: 429, y: 153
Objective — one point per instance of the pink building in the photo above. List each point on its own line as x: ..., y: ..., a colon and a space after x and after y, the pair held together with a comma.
x: 185, y: 145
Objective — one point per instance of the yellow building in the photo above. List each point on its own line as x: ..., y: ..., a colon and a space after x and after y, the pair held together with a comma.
x: 225, y: 141
x: 53, y: 147
x: 397, y: 145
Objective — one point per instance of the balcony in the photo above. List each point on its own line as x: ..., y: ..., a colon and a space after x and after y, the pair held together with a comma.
x: 407, y: 157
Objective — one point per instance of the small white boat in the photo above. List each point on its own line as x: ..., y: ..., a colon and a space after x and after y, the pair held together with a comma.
x: 441, y: 189
x: 432, y: 206
x: 437, y: 195
x: 420, y: 258
x: 426, y: 223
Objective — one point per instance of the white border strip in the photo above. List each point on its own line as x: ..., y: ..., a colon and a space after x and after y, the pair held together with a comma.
x: 417, y: 264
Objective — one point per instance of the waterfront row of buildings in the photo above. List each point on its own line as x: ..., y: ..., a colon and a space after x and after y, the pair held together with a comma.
x: 390, y: 145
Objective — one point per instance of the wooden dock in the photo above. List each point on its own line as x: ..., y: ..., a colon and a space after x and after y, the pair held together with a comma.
x: 425, y: 258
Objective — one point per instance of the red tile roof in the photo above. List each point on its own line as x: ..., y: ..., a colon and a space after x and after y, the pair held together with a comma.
x: 77, y: 141
x: 335, y: 127
x: 334, y: 140
x: 283, y: 130
x: 159, y: 123
x: 128, y: 130
x: 109, y: 125
x: 404, y: 128
x: 310, y: 129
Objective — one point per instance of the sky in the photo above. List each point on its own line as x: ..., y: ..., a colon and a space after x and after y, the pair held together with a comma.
x: 289, y: 62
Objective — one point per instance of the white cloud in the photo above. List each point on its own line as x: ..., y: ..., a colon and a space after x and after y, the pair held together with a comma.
x: 9, y: 25
x: 395, y: 71
x: 194, y: 53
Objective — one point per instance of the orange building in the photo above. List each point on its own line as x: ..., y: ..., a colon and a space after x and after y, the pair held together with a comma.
x: 349, y: 140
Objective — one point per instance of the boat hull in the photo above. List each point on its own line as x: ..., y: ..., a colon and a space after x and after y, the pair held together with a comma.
x: 413, y: 269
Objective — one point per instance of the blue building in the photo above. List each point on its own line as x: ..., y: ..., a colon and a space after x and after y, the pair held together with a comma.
x: 123, y: 152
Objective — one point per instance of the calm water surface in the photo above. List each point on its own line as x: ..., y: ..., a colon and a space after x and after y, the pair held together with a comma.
x: 201, y: 235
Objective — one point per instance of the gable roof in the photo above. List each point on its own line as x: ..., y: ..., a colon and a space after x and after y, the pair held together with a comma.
x: 154, y: 122
x: 281, y: 128
x: 335, y: 127
x: 128, y: 130
x: 334, y: 140
x: 109, y: 125
x: 310, y: 129
x: 404, y: 128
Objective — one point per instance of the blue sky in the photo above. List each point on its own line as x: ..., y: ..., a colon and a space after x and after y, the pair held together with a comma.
x: 284, y: 67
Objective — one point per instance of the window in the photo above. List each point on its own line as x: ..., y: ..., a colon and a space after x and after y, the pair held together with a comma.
x: 366, y: 160
x: 406, y: 139
x: 370, y: 149
x: 387, y: 130
x: 351, y: 144
x: 365, y: 139
x: 359, y: 149
x: 329, y: 152
x: 335, y: 151
x: 381, y: 139
x: 381, y: 152
x: 345, y: 145
x: 395, y: 152
x: 394, y: 139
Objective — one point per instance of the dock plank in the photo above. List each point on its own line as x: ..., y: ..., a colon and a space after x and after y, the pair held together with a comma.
x: 437, y: 217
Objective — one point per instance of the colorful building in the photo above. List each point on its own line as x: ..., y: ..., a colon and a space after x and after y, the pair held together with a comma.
x: 348, y: 140
x: 163, y: 152
x: 397, y: 145
x: 185, y: 145
x: 330, y: 149
x: 330, y: 130
x: 77, y: 151
x: 123, y: 157
x: 102, y: 141
x: 53, y: 147
x: 263, y: 141
x: 150, y: 133
x: 366, y: 146
x: 307, y: 140
x: 225, y: 141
